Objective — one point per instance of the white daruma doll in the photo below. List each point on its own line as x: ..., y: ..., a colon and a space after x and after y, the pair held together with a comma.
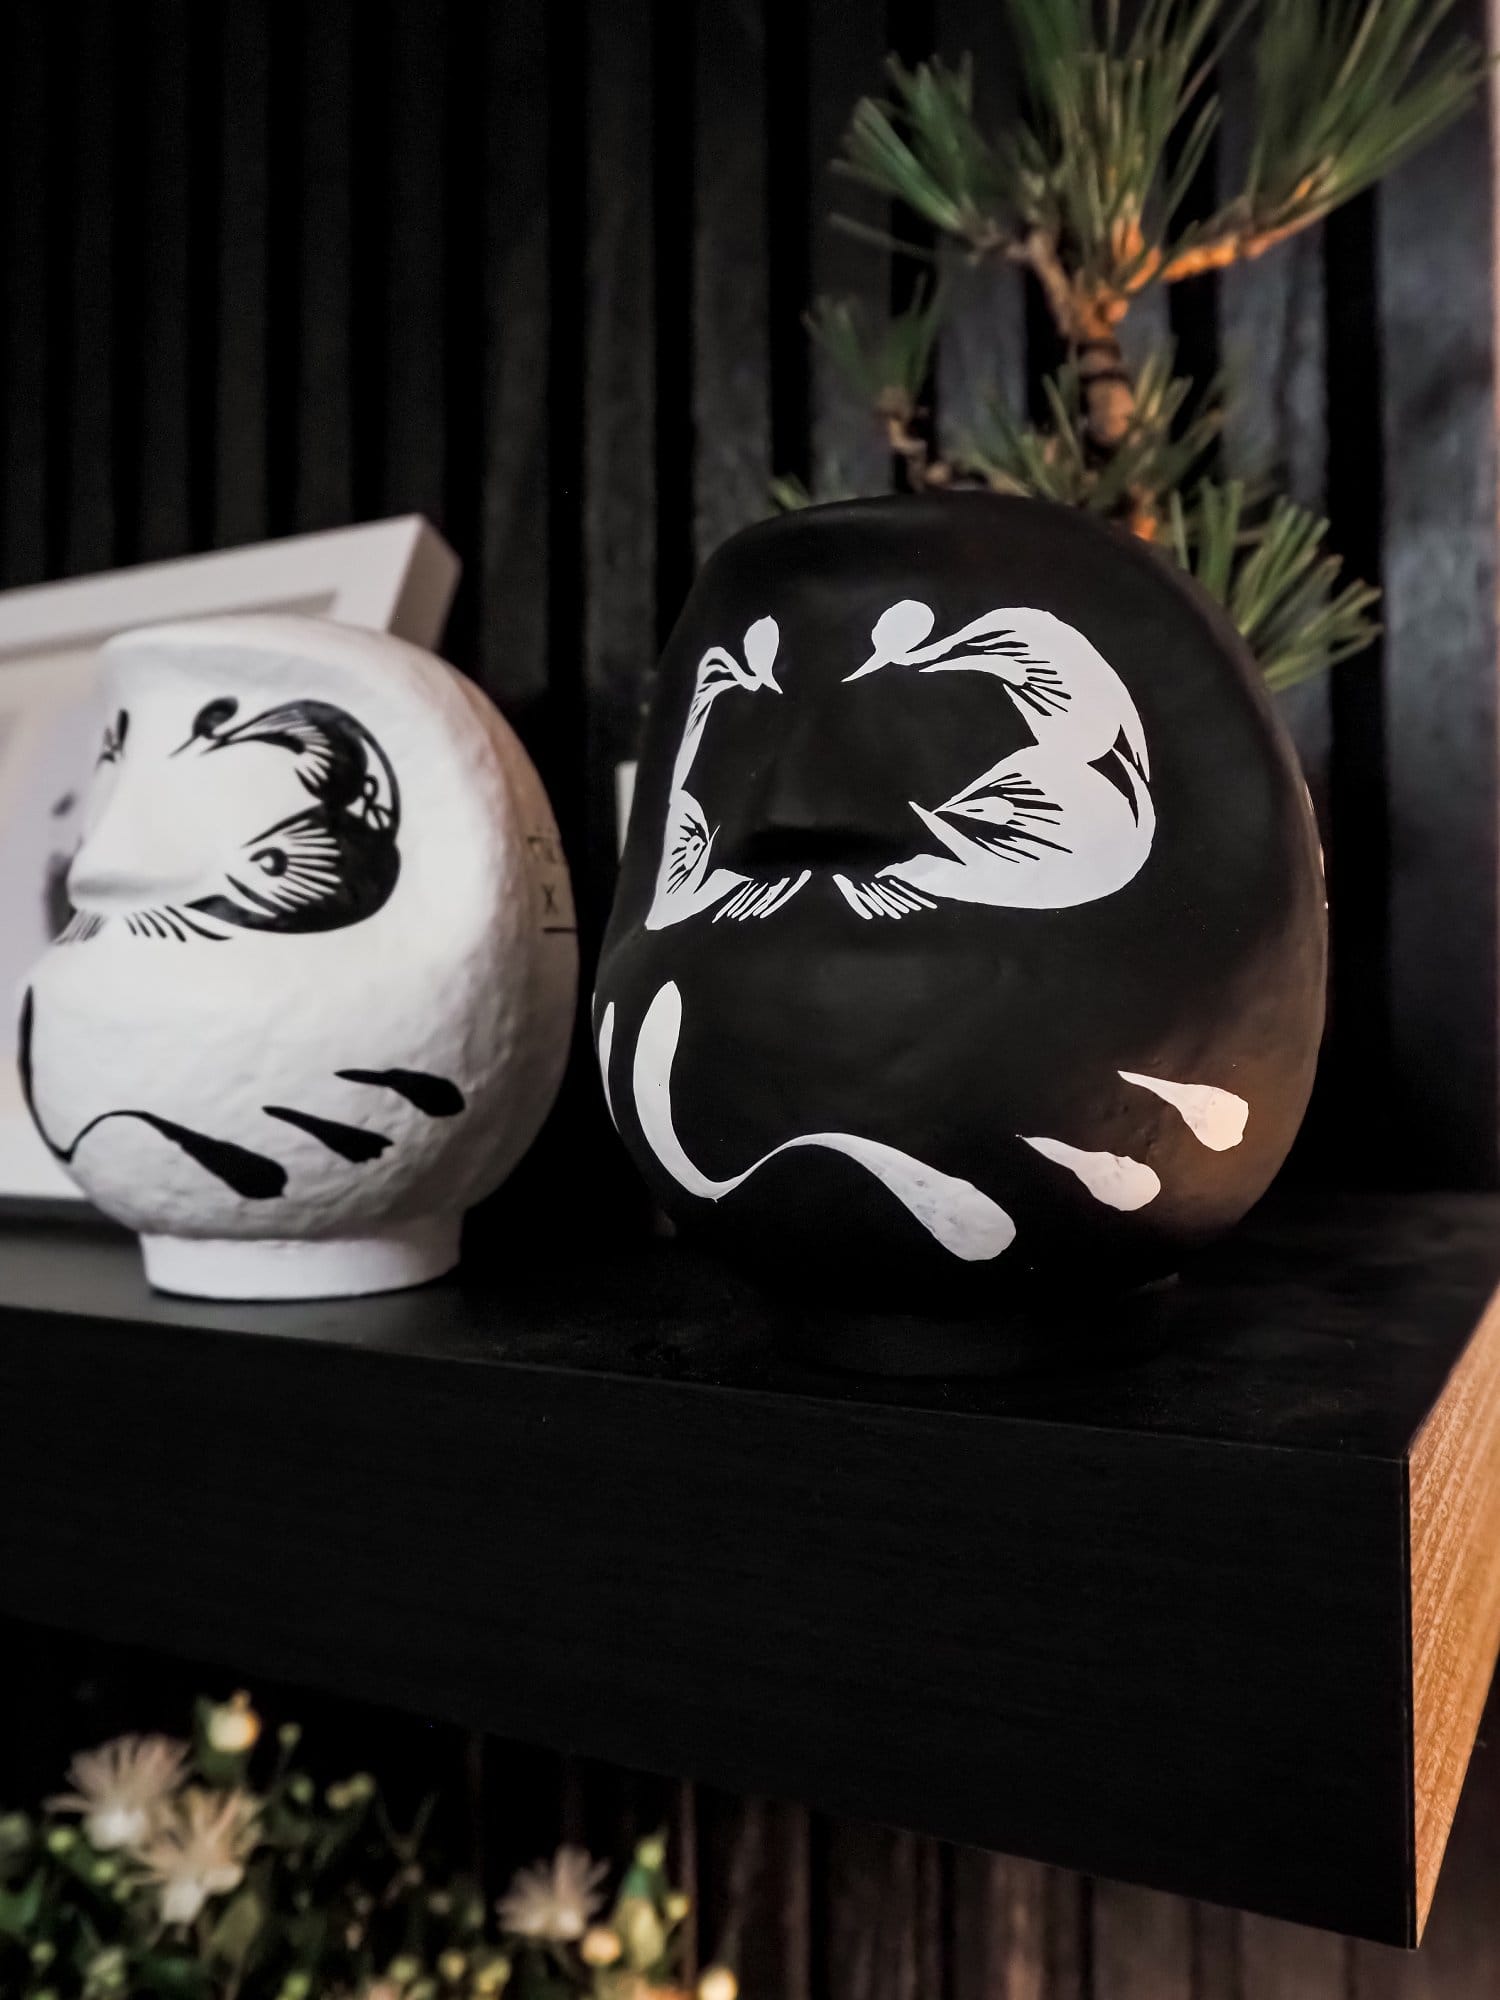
x: 316, y: 995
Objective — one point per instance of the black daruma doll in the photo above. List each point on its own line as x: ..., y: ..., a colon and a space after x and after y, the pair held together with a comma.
x: 969, y: 943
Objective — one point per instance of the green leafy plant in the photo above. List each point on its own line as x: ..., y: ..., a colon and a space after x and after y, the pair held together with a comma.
x: 1086, y: 190
x: 220, y: 1869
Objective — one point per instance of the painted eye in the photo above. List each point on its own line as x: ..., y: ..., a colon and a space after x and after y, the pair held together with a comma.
x: 213, y: 715
x: 997, y: 810
x: 271, y: 860
x: 114, y: 738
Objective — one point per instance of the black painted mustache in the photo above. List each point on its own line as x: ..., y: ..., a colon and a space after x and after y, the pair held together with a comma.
x: 255, y: 1176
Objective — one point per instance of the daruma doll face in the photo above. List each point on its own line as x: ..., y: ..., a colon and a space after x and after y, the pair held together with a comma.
x: 970, y: 929
x: 286, y: 818
x: 318, y: 980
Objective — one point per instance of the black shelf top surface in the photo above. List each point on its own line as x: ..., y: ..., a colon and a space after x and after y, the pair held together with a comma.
x: 1327, y: 1323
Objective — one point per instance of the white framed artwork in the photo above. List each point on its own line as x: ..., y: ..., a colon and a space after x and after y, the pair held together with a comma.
x: 392, y: 576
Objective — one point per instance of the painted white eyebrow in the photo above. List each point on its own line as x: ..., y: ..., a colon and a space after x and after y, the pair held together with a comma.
x: 1216, y: 1118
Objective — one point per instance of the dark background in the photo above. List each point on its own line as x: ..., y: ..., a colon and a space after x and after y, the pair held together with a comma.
x: 538, y: 273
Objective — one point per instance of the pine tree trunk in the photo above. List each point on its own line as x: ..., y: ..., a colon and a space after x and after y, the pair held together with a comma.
x: 1109, y: 405
x: 1108, y: 393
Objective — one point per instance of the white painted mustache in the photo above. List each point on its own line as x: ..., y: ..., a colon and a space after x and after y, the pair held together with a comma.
x: 952, y: 1211
x: 955, y: 1213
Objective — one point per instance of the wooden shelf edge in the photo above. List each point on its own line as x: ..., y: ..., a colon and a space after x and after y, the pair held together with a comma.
x: 1453, y: 1502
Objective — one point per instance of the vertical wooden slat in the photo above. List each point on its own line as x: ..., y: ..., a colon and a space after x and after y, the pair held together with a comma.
x: 1437, y: 306
x: 323, y: 471
x: 683, y: 1854
x: 789, y: 1894
x: 732, y: 1909
x: 88, y: 541
x: 873, y: 1914
x: 1147, y: 327
x: 1271, y: 315
x: 1271, y: 326
x: 675, y: 243
x: 164, y: 469
x: 756, y: 1884
x: 1193, y: 306
x: 1272, y: 338
x: 287, y: 180
x: 1381, y: 1972
x: 463, y: 221
x: 415, y: 461
x: 512, y: 556
x: 1358, y: 1121
x: 789, y: 238
x: 1285, y: 1962
x: 731, y: 302
x: 620, y: 633
x: 28, y: 198
x: 982, y: 351
x: 1273, y: 353
x: 847, y: 44
x: 1143, y: 1944
x: 1216, y: 1954
x: 1019, y: 1931
x: 242, y: 416
x: 58, y: 173
x: 369, y: 255
x: 562, y: 748
x: 934, y: 1917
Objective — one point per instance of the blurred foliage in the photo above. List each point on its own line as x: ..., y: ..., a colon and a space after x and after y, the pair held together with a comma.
x: 222, y: 1869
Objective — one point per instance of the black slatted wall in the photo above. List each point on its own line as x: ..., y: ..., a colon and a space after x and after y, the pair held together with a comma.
x: 537, y: 271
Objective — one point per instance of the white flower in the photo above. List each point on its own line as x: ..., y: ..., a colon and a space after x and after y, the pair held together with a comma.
x: 600, y: 1946
x: 122, y: 1788
x: 554, y: 1902
x: 718, y: 1983
x: 233, y: 1726
x: 200, y: 1851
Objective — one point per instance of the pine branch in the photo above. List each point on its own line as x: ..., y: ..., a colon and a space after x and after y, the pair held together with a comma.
x: 1091, y: 182
x: 1266, y: 568
x: 886, y: 365
x: 1120, y: 123
x: 1086, y: 192
x: 887, y: 369
x: 1345, y: 93
x: 1163, y: 444
x: 924, y: 149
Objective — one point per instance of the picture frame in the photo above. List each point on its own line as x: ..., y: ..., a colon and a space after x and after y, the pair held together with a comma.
x: 394, y: 576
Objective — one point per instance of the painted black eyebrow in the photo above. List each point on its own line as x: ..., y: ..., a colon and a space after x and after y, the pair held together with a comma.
x: 350, y: 1142
x: 435, y: 1095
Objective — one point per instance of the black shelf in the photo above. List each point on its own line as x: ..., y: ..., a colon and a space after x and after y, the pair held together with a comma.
x: 1154, y: 1621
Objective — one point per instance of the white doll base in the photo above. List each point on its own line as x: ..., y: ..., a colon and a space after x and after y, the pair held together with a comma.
x: 404, y: 1254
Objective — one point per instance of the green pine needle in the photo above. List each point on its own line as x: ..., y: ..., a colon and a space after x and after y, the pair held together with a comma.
x: 1160, y: 451
x: 887, y: 365
x: 1347, y: 91
x: 1119, y: 121
x: 924, y: 149
x: 1265, y: 566
x: 1120, y: 124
